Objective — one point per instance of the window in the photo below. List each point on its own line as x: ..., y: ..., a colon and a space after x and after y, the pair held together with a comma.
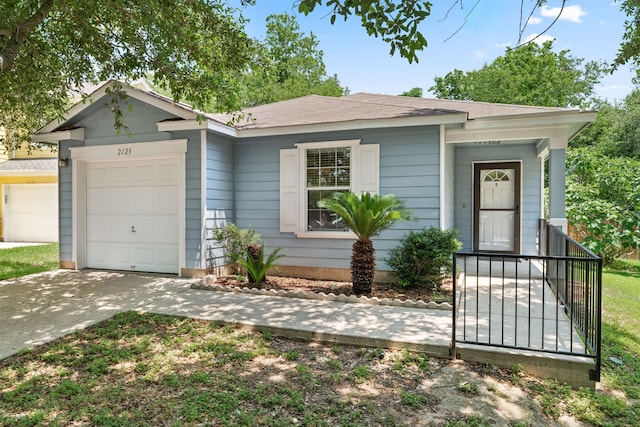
x: 328, y: 170
x: 313, y: 171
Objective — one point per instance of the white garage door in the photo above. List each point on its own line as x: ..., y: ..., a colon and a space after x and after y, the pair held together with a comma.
x: 132, y: 215
x: 30, y: 213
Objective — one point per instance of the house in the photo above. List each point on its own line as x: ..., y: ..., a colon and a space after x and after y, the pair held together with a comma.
x: 146, y: 198
x: 29, y: 194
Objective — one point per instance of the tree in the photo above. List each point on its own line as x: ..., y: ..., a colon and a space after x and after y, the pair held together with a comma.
x: 603, y: 202
x: 629, y: 50
x: 195, y: 49
x: 529, y: 75
x: 48, y: 49
x: 366, y: 215
x: 288, y: 65
x: 415, y: 92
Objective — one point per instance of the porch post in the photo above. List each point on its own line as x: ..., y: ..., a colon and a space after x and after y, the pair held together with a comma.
x: 557, y: 182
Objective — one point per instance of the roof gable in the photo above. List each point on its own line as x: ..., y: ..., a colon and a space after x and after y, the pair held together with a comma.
x: 180, y: 110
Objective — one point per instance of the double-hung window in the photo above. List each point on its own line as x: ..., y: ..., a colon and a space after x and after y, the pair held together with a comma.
x: 313, y: 171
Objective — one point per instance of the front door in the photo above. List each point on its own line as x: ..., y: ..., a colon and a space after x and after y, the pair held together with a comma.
x: 497, y: 207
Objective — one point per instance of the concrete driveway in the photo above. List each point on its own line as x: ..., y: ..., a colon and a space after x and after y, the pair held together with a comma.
x: 39, y: 308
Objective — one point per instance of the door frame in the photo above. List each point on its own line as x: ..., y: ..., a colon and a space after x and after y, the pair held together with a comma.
x: 80, y: 156
x: 517, y: 221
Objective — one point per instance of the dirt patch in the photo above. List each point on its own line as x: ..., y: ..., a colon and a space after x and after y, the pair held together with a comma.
x: 391, y: 291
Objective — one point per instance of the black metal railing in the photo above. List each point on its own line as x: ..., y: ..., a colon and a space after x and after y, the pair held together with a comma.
x: 547, y: 303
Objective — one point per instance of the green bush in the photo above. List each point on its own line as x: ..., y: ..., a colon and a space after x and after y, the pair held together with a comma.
x: 423, y: 258
x: 255, y: 264
x: 235, y: 241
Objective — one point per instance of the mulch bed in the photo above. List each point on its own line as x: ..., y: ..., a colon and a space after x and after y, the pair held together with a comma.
x: 379, y: 290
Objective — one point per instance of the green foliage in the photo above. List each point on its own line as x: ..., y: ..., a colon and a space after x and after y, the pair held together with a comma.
x: 49, y: 49
x: 415, y: 92
x: 396, y: 22
x: 423, y: 258
x: 630, y: 47
x: 528, y: 75
x: 288, y: 64
x: 235, y: 241
x: 616, y: 130
x: 603, y: 202
x: 255, y: 264
x: 366, y: 215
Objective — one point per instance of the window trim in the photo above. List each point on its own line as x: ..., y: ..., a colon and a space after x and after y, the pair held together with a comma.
x: 357, y: 183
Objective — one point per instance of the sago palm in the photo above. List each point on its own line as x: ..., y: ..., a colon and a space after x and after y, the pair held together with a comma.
x: 366, y: 215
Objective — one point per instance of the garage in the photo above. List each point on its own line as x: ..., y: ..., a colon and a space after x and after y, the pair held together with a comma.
x: 132, y: 215
x: 30, y: 212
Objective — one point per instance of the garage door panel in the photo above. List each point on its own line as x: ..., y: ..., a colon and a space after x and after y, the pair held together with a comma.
x: 132, y: 215
x: 30, y: 212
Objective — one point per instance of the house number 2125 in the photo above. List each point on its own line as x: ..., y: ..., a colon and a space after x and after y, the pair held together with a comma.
x: 124, y: 151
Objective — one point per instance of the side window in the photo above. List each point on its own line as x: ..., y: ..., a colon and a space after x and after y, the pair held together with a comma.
x: 313, y: 171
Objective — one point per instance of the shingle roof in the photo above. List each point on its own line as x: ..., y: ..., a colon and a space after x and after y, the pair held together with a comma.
x: 36, y: 165
x: 315, y: 109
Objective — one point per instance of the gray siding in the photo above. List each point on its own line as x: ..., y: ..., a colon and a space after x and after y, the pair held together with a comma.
x: 141, y: 126
x: 409, y: 169
x: 220, y: 154
x: 531, y: 187
x: 65, y: 192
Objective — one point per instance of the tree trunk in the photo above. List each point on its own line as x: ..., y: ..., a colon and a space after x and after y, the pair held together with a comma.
x: 363, y: 266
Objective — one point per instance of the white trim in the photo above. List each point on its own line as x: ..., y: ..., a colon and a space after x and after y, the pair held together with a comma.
x: 142, y: 150
x: 442, y: 177
x: 203, y: 199
x: 328, y: 144
x: 456, y: 118
x: 456, y: 136
x: 134, y: 150
x: 547, y: 119
x: 32, y: 172
x: 61, y: 135
x: 140, y: 95
x: 473, y: 189
x: 327, y: 235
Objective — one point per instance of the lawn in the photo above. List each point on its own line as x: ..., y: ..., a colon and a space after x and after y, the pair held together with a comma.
x: 20, y: 261
x: 142, y: 369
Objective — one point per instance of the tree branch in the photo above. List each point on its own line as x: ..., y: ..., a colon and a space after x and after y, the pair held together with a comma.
x: 16, y: 36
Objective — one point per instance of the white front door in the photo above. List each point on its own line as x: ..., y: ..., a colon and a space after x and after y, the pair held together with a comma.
x: 497, y: 207
x: 132, y: 215
x: 30, y: 213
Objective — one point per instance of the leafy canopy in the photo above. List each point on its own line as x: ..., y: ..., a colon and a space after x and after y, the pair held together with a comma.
x: 603, y: 201
x: 196, y: 50
x: 287, y: 64
x: 529, y: 75
x: 48, y: 49
x: 366, y: 214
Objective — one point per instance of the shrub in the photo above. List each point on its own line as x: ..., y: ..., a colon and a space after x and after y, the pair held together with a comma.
x: 255, y: 264
x: 235, y: 241
x: 423, y: 258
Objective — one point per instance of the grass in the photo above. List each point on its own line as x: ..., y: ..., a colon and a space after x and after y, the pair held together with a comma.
x: 137, y: 369
x: 24, y: 260
x: 617, y: 403
x: 147, y: 370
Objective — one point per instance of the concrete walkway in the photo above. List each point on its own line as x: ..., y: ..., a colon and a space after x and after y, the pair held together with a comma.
x: 39, y: 308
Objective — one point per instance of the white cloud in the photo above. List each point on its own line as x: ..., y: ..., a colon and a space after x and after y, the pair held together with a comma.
x: 569, y: 13
x: 538, y: 39
x: 534, y: 20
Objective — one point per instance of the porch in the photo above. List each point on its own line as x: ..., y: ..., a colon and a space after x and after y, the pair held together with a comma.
x: 540, y: 311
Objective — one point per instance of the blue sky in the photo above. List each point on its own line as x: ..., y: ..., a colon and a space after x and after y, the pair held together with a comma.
x: 589, y: 29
